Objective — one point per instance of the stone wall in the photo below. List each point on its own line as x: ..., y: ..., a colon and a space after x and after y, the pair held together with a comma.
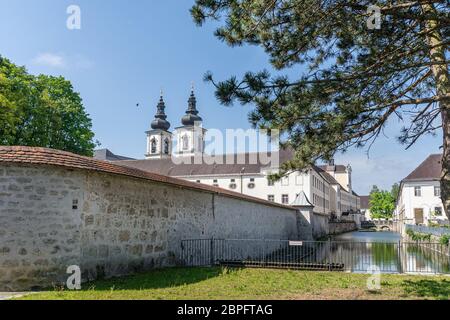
x: 341, y: 227
x: 320, y: 226
x: 112, y: 225
x: 39, y: 230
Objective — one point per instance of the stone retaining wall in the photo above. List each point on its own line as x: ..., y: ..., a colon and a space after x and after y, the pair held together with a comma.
x: 341, y: 227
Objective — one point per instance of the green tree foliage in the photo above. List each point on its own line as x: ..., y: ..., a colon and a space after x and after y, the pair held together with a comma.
x: 395, y: 190
x: 42, y: 111
x: 375, y: 189
x: 349, y: 80
x: 382, y: 205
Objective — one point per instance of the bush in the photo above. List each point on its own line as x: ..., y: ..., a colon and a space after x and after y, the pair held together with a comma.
x: 417, y: 236
x: 445, y: 240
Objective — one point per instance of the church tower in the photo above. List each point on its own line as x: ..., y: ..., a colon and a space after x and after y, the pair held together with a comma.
x: 191, y: 136
x: 159, y: 139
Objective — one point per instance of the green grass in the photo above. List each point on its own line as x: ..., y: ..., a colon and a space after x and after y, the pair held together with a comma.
x: 222, y: 283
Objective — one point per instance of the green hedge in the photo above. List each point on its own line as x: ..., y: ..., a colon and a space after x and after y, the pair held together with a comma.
x: 417, y: 236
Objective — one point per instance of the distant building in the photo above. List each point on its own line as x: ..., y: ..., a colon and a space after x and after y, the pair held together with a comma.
x: 419, y: 199
x: 328, y: 188
x: 365, y: 207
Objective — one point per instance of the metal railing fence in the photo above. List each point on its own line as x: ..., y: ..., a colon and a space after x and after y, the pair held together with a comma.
x: 387, y: 257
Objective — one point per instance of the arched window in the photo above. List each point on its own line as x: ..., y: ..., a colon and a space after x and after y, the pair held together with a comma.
x: 153, y: 145
x: 166, y: 146
x: 185, y: 142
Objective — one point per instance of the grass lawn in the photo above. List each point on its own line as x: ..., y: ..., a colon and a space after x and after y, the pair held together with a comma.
x: 222, y: 283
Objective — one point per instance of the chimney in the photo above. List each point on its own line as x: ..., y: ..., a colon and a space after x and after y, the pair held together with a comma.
x: 330, y: 166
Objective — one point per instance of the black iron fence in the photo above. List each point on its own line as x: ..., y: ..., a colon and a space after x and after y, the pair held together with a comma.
x: 385, y: 257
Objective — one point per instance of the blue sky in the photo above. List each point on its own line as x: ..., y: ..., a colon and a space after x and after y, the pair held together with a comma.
x: 126, y: 51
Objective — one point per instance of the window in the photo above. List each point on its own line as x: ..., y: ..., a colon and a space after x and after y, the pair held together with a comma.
x: 417, y: 191
x: 233, y: 180
x: 252, y: 179
x: 285, y: 199
x: 299, y: 180
x: 285, y: 181
x: 270, y: 183
x: 185, y: 140
x: 153, y: 146
x: 198, y: 181
x: 271, y: 198
x: 166, y: 146
x: 438, y: 211
x: 437, y: 191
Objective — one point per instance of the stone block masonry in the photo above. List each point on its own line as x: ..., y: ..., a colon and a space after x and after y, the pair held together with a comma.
x: 58, y: 209
x: 342, y: 227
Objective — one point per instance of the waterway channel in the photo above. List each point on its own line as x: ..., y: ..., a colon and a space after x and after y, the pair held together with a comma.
x: 387, y: 253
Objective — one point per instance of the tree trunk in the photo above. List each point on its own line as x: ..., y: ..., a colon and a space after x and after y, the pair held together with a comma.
x: 445, y: 174
x: 440, y: 73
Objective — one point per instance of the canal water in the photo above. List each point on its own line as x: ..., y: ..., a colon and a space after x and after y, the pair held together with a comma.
x: 385, y: 252
x: 385, y: 236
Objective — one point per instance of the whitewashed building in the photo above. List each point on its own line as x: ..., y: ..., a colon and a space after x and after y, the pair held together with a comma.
x: 419, y: 199
x: 328, y: 188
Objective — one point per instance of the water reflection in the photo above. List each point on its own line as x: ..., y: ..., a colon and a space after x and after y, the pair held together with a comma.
x: 360, y: 251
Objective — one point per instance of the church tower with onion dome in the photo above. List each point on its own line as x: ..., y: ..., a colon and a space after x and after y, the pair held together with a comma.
x: 159, y: 138
x: 191, y: 135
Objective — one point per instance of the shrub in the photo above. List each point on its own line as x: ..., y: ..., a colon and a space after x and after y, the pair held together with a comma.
x: 445, y: 239
x: 417, y: 236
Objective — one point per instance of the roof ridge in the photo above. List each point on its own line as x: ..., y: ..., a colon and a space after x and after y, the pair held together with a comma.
x: 425, y: 170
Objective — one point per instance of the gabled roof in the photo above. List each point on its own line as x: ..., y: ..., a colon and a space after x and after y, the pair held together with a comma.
x: 105, y: 154
x: 186, y: 166
x: 430, y: 169
x: 328, y: 177
x: 302, y: 201
x: 339, y: 168
x: 51, y: 157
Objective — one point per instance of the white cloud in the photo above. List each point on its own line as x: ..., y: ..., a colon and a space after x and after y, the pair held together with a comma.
x: 62, y: 61
x: 50, y: 60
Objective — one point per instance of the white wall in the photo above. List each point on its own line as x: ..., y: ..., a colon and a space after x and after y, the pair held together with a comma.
x: 291, y: 185
x: 159, y: 137
x: 325, y: 197
x: 195, y: 136
x: 427, y: 201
